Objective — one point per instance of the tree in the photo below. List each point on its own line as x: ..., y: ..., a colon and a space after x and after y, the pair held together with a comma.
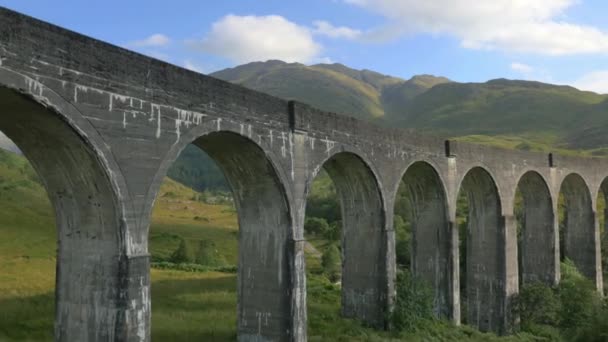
x: 315, y: 225
x: 207, y: 255
x: 413, y: 303
x: 334, y: 232
x: 331, y: 261
x: 183, y: 253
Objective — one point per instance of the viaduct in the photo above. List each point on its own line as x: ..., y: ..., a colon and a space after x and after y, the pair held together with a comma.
x: 102, y: 125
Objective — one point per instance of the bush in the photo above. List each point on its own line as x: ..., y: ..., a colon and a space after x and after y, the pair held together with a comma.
x: 413, y: 304
x: 402, y: 243
x: 315, y: 226
x: 334, y: 233
x: 207, y: 255
x: 537, y: 304
x: 578, y: 296
x: 183, y: 253
x: 331, y: 261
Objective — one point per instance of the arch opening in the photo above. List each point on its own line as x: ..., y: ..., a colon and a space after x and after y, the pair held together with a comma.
x: 480, y: 224
x: 536, y: 231
x: 422, y: 231
x: 578, y: 227
x: 243, y: 233
x: 363, y: 265
x: 89, y: 254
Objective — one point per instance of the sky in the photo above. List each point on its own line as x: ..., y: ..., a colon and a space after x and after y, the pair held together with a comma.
x: 554, y: 41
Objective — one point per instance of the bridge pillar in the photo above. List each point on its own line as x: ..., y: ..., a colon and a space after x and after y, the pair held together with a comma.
x: 538, y: 243
x: 581, y: 236
x: 454, y: 272
x: 491, y: 272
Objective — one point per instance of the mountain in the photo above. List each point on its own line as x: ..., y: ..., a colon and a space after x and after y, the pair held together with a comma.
x: 543, y: 115
x: 363, y: 94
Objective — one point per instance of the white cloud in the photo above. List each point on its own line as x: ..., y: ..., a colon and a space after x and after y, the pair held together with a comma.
x: 510, y: 25
x: 155, y: 40
x: 326, y: 29
x: 190, y: 65
x: 521, y: 68
x: 596, y: 81
x: 245, y: 39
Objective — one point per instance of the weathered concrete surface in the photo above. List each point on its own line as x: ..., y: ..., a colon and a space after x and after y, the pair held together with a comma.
x: 537, y: 239
x: 102, y: 125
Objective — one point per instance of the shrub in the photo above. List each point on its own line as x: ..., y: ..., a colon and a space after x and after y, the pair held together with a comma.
x: 332, y: 263
x: 537, y: 304
x: 315, y: 225
x: 334, y: 233
x: 413, y: 304
x: 183, y: 253
x: 207, y: 255
x: 578, y: 297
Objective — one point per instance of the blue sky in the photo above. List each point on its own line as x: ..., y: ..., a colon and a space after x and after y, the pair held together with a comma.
x: 556, y: 41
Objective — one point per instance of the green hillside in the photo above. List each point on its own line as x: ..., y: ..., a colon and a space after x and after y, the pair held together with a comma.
x: 363, y: 94
x: 543, y: 114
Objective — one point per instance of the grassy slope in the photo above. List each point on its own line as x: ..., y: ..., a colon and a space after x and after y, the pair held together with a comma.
x: 363, y: 94
x: 543, y: 114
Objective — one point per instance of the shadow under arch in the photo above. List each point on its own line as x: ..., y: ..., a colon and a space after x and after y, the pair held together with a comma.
x: 579, y: 240
x: 426, y: 207
x: 538, y: 261
x: 483, y: 271
x: 602, y: 211
x: 264, y: 276
x: 91, y: 293
x: 364, y: 264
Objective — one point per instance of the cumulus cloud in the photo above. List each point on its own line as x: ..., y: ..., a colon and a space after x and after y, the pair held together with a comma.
x: 521, y: 68
x: 155, y: 40
x: 324, y: 28
x: 510, y: 25
x: 596, y: 81
x: 245, y: 39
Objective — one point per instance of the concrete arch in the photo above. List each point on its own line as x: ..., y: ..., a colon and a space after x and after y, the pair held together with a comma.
x: 265, y: 232
x: 93, y: 300
x: 430, y: 226
x: 364, y: 269
x: 537, y: 245
x: 462, y: 177
x: 580, y: 240
x: 484, y: 280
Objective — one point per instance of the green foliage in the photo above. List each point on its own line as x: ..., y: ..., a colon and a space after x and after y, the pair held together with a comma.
x: 413, y: 304
x: 578, y: 296
x: 538, y: 305
x: 316, y: 226
x: 322, y: 200
x: 186, y: 267
x: 402, y: 242
x: 331, y: 261
x: 183, y: 253
x: 333, y: 232
x: 197, y: 170
x: 207, y: 254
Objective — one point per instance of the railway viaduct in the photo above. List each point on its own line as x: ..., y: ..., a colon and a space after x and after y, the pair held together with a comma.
x: 102, y: 125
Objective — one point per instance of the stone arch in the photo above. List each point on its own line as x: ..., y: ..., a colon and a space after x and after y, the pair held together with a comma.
x: 364, y: 244
x: 265, y: 294
x: 537, y: 245
x: 93, y: 264
x: 580, y: 240
x: 484, y: 280
x: 430, y: 227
